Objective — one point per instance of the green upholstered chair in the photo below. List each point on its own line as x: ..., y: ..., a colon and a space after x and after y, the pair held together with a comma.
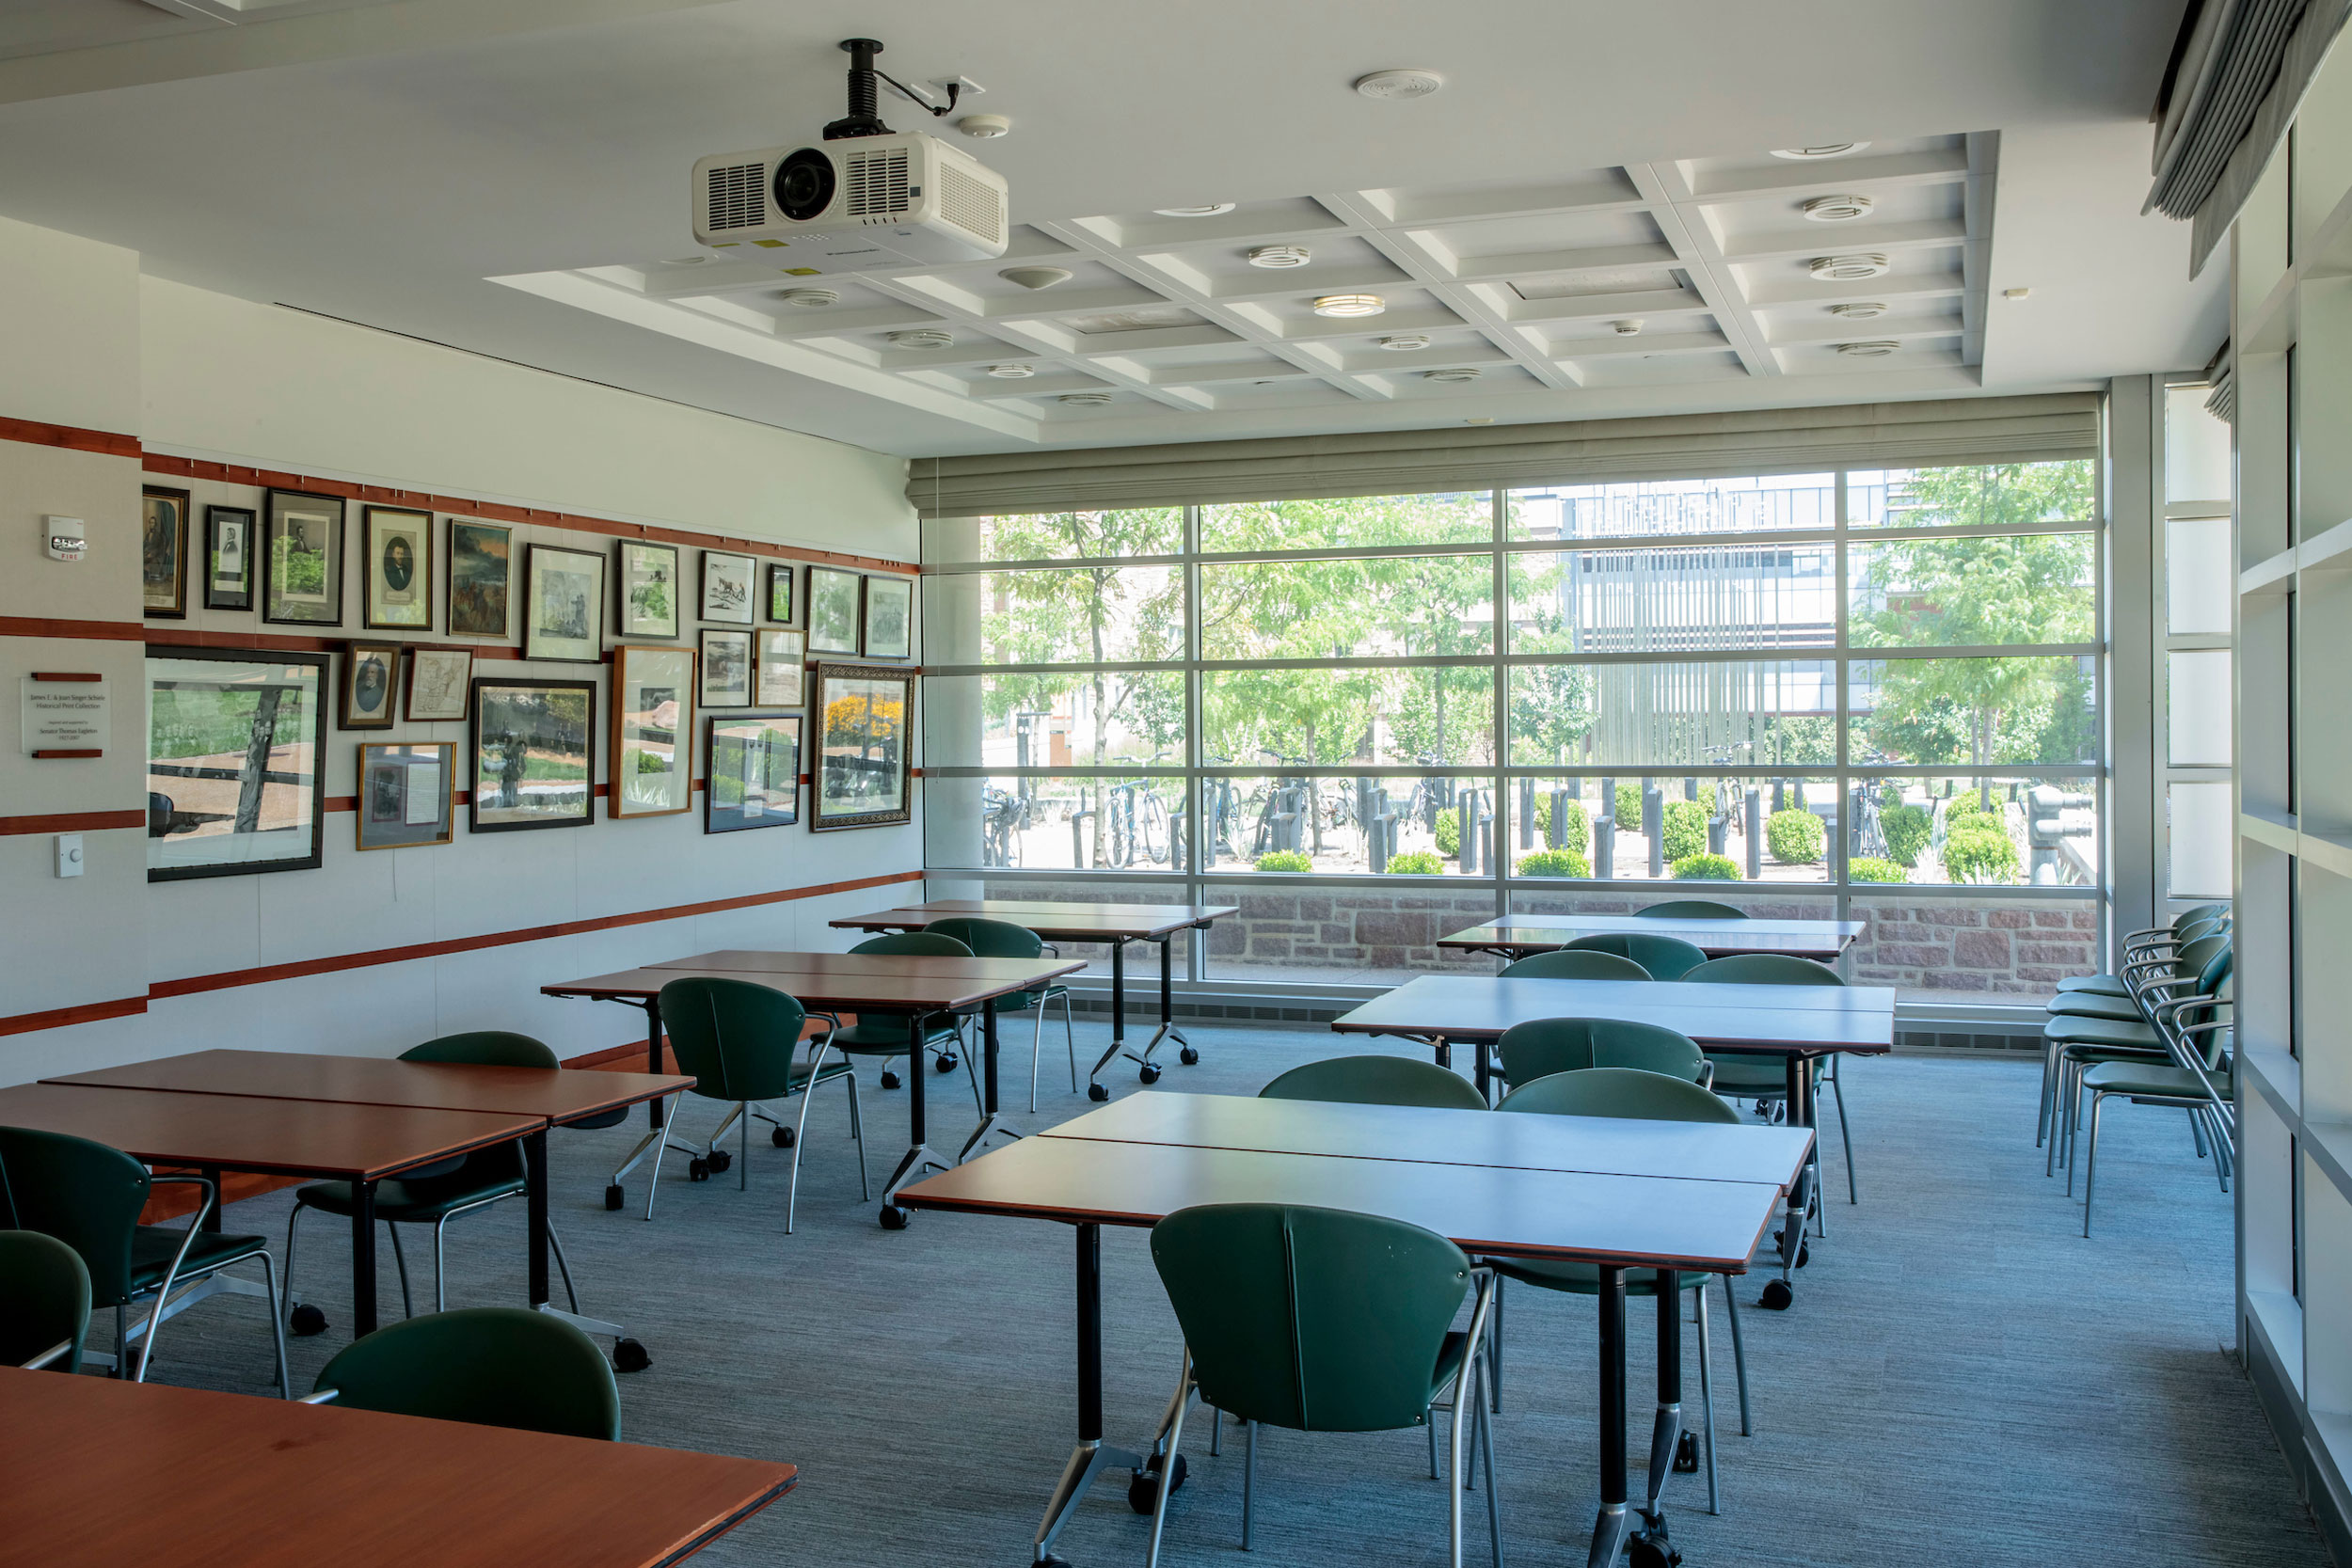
x: 740, y: 1041
x: 433, y: 1195
x: 44, y: 1301
x: 2199, y: 1084
x: 1002, y: 939
x: 490, y: 1365
x: 1749, y: 1075
x: 1634, y: 1095
x: 1665, y: 958
x: 2188, y: 925
x: 2146, y: 981
x: 888, y: 1037
x: 1377, y: 1081
x: 2074, y: 1045
x: 1320, y: 1319
x: 88, y: 1196
x: 1577, y: 964
x: 1691, y: 909
x: 1543, y: 1046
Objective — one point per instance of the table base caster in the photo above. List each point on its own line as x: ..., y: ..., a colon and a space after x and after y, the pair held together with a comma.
x: 1143, y: 1488
x: 1148, y: 1072
x: 698, y: 1170
x: 1687, y: 1454
x: 889, y: 1079
x: 947, y: 1061
x: 614, y: 1195
x: 781, y: 1136
x: 1097, y: 1093
x: 306, y: 1320
x: 1777, y: 1296
x: 629, y: 1356
x: 1189, y: 1057
x: 893, y: 1217
x: 1805, y: 1249
x: 720, y: 1160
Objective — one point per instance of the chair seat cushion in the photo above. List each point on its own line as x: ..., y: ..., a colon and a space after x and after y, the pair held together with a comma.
x: 2092, y: 1004
x: 1747, y: 1073
x: 2098, y: 985
x: 153, y: 1246
x: 2101, y: 1031
x: 2151, y: 1078
x: 407, y: 1202
x: 1583, y: 1279
x: 883, y: 1037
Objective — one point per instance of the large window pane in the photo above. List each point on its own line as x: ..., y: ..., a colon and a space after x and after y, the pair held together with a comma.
x: 1059, y: 719
x: 1354, y: 522
x: 1068, y: 615
x: 1349, y: 608
x: 1736, y: 713
x: 1441, y: 716
x: 1387, y: 824
x: 1667, y: 600
x: 1942, y: 712
x: 2065, y: 492
x: 2003, y: 831
x: 1051, y: 824
x: 1056, y: 535
x: 1713, y: 829
x: 1665, y: 507
x: 1981, y: 591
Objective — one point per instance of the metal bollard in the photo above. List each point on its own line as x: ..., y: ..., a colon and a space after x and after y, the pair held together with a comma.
x: 1755, y: 832
x: 1558, y: 837
x: 1527, y: 814
x: 1654, y: 825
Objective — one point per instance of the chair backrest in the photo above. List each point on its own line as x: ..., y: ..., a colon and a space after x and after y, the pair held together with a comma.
x: 1665, y: 958
x: 483, y: 1048
x: 1578, y: 964
x: 1543, y: 1046
x: 1691, y: 909
x: 736, y: 1037
x: 44, y: 1299
x: 988, y: 939
x: 919, y: 944
x: 1764, y: 968
x: 1619, y: 1091
x: 492, y: 1366
x: 1377, y: 1081
x: 1315, y: 1319
x: 84, y: 1194
x: 2190, y: 961
x: 2200, y: 912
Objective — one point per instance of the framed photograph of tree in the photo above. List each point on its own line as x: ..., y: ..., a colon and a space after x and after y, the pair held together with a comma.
x: 563, y: 607
x: 235, y: 779
x: 864, y: 764
x: 163, y: 552
x: 653, y: 732
x: 755, y: 772
x: 889, y: 617
x: 404, y: 793
x: 396, y: 555
x: 481, y: 558
x: 302, y: 560
x: 534, y: 754
x: 647, y: 576
x: 836, y: 601
x: 784, y: 604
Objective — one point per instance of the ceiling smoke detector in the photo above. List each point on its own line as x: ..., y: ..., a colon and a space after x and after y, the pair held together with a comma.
x: 1083, y: 400
x: 923, y: 337
x: 984, y: 127
x: 1820, y: 150
x: 1848, y: 269
x: 1405, y: 342
x: 1876, y: 350
x: 1280, y: 256
x: 1012, y: 372
x: 1452, y: 373
x: 809, y: 299
x: 1626, y: 328
x: 1036, y: 278
x: 1349, y: 304
x: 1837, y: 209
x: 1400, y: 85
x: 1207, y: 210
x: 1860, y: 311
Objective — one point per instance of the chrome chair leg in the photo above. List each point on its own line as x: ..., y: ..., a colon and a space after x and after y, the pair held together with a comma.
x: 2090, y: 1156
x: 857, y: 1131
x: 277, y: 1324
x: 1494, y: 1353
x: 1068, y: 1036
x: 660, y: 1146
x: 799, y: 1141
x: 1739, y: 1355
x: 1217, y: 1430
x: 1175, y: 1433
x: 292, y: 1300
x: 1494, y: 1496
x: 400, y: 1261
x: 1249, y: 1477
x: 1432, y: 1424
x: 1844, y: 1131
x: 1036, y: 1048
x: 556, y: 1243
x: 1706, y: 1400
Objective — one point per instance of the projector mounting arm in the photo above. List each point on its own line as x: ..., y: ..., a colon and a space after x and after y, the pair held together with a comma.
x: 863, y: 119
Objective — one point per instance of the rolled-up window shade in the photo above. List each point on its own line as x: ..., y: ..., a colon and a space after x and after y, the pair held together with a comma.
x: 1390, y: 462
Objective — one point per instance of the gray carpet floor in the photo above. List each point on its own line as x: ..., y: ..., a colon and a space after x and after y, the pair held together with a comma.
x: 1964, y: 1379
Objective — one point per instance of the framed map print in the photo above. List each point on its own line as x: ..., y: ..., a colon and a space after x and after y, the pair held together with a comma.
x: 439, y: 680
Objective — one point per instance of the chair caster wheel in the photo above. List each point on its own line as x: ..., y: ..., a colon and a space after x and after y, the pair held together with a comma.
x: 1097, y: 1093
x: 1148, y: 1073
x: 614, y: 1195
x: 629, y: 1356
x: 1777, y: 1296
x: 781, y: 1136
x: 893, y: 1217
x: 697, y: 1170
x: 306, y: 1320
x: 889, y: 1079
x: 1645, y: 1552
x: 947, y: 1061
x: 1805, y: 1254
x: 1687, y: 1454
x: 1189, y: 1056
x: 1143, y: 1486
x: 719, y: 1161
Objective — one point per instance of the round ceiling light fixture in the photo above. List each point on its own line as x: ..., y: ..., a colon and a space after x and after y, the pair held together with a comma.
x: 1280, y: 256
x: 686, y: 261
x: 923, y: 337
x: 1626, y: 328
x: 1083, y: 400
x: 1452, y: 373
x: 984, y: 127
x: 809, y: 299
x: 1206, y: 210
x: 1820, y: 150
x: 1860, y: 309
x: 1349, y: 304
x: 1012, y: 372
x: 1837, y: 209
x: 1400, y: 85
x: 1848, y: 269
x: 1405, y: 342
x: 1036, y: 278
x: 1877, y: 349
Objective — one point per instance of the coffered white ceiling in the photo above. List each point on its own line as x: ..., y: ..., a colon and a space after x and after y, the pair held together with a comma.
x: 510, y: 177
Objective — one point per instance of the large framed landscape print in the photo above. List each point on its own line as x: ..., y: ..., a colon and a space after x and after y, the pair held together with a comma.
x: 755, y: 772
x: 236, y: 782
x: 864, y: 758
x: 534, y: 754
x: 563, y: 609
x: 653, y: 731
x: 302, y: 560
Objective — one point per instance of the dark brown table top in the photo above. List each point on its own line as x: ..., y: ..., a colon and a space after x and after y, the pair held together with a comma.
x: 556, y: 1094
x: 1701, y: 1151
x: 1804, y: 939
x: 1471, y: 1008
x: 1055, y: 922
x: 850, y: 982
x: 243, y: 1132
x: 1634, y: 1221
x: 104, y: 1474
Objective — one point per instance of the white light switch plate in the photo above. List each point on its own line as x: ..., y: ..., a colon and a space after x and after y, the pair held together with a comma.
x: 69, y: 854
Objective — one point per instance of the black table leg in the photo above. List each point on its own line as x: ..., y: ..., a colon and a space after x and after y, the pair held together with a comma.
x: 990, y: 1121
x: 1485, y: 1070
x: 1119, y: 993
x: 1167, y: 1029
x: 1611, y: 1528
x: 212, y: 1216
x: 915, y: 1081
x: 535, y: 1201
x: 362, y: 1259
x: 1089, y: 1458
x: 919, y: 1155
x: 653, y: 1058
x: 1780, y: 1293
x: 1666, y: 1430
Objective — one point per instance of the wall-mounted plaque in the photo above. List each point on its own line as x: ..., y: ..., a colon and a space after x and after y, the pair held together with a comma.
x: 65, y: 714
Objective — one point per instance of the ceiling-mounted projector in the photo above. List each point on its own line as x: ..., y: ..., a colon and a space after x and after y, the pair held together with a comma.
x: 865, y: 198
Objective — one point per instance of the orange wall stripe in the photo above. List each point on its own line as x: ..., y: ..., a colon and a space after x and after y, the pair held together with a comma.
x: 32, y: 433
x: 57, y: 1017
x: 73, y: 823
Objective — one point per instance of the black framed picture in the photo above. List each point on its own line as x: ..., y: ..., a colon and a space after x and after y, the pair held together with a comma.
x: 864, y: 772
x: 163, y: 552
x: 396, y: 566
x: 563, y: 607
x: 727, y: 587
x: 302, y: 560
x: 534, y: 754
x: 837, y: 604
x: 755, y: 772
x: 228, y: 558
x: 371, y: 682
x: 784, y: 604
x: 404, y: 793
x: 889, y: 617
x: 646, y: 576
x: 235, y: 781
x: 481, y: 568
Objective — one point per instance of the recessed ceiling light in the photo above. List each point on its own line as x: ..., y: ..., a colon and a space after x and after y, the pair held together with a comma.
x: 1626, y: 328
x: 1837, y: 209
x: 686, y: 261
x: 809, y: 299
x: 1349, y: 304
x: 1083, y: 400
x: 1405, y: 342
x: 1453, y: 373
x: 1014, y: 372
x: 1847, y: 269
x: 923, y: 337
x: 1408, y: 82
x: 1820, y: 150
x: 1207, y: 210
x: 1860, y: 309
x: 1878, y: 349
x: 1036, y: 278
x: 1280, y: 256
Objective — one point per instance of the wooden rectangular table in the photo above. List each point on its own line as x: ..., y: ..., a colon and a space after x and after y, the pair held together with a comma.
x: 1095, y: 1171
x: 106, y: 1474
x: 910, y: 985
x: 1115, y: 924
x: 1515, y: 938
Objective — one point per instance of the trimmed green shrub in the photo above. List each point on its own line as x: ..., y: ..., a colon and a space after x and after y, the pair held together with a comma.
x: 1795, y: 837
x: 1287, y: 860
x: 1705, y: 868
x: 1578, y: 832
x: 1416, y: 862
x: 1682, y: 833
x: 1629, y: 808
x: 1554, y: 862
x: 1448, y: 831
x: 1869, y: 868
x: 1907, y: 830
x: 1965, y: 807
x: 1979, y: 852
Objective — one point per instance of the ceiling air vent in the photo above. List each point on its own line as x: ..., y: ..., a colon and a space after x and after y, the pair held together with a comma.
x: 1280, y: 256
x: 1451, y: 373
x: 810, y: 299
x: 878, y: 184
x: 1083, y: 400
x: 1837, y: 209
x: 1860, y: 309
x: 1847, y: 269
x: 1878, y: 349
x: 738, y: 196
x: 923, y: 337
x: 1012, y: 372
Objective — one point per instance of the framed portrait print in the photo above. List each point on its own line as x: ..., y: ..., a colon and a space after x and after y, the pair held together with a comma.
x: 228, y: 557
x: 889, y: 617
x: 653, y: 732
x: 371, y: 681
x: 438, y: 682
x: 864, y: 761
x: 479, y: 557
x: 727, y: 587
x: 302, y: 560
x: 235, y: 776
x: 784, y: 607
x: 404, y: 793
x: 534, y: 754
x: 783, y: 660
x: 755, y: 772
x: 726, y: 669
x: 836, y: 601
x: 396, y: 556
x: 563, y: 607
x: 163, y: 552
x: 647, y: 576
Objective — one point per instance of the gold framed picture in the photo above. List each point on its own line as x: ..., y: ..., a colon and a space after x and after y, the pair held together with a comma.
x: 404, y: 793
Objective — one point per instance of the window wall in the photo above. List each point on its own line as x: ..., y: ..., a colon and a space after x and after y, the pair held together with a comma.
x: 1374, y: 721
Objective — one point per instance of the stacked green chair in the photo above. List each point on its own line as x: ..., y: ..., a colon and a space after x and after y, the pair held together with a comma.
x: 1320, y: 1319
x: 1664, y: 958
x: 2200, y: 1080
x: 44, y: 1301
x: 489, y: 1366
x: 2157, y: 940
x: 438, y: 1194
x: 88, y: 1196
x: 2153, y: 966
x: 1635, y: 1095
x: 1574, y: 964
x: 1377, y: 1081
x: 740, y: 1041
x: 891, y: 1037
x: 1001, y: 939
x: 1542, y: 1046
x: 1690, y: 909
x: 1746, y: 1076
x: 2076, y: 1045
